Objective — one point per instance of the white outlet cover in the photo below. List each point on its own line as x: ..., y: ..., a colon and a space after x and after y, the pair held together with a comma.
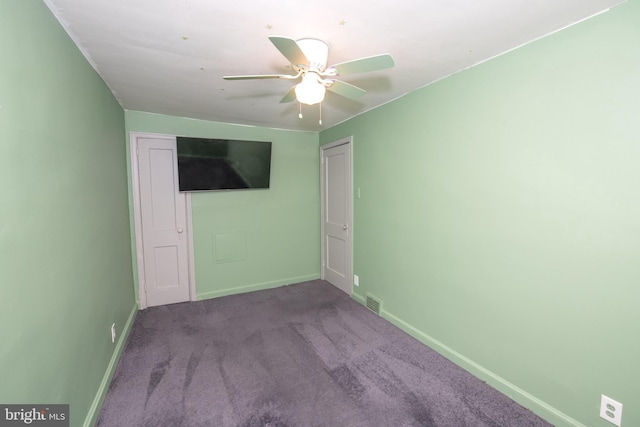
x: 356, y: 280
x: 611, y: 410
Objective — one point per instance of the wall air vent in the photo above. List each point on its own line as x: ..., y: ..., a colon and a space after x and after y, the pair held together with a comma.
x: 374, y: 304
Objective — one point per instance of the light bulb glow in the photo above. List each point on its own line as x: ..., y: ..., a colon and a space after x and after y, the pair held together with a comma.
x: 310, y: 90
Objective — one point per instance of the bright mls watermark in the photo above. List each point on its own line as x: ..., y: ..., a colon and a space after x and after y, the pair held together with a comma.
x: 34, y: 415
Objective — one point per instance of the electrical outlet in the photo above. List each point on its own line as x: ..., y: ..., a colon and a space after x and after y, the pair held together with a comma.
x: 113, y: 332
x: 611, y: 410
x: 356, y: 280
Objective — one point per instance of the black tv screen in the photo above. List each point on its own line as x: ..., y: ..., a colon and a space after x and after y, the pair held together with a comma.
x: 222, y: 164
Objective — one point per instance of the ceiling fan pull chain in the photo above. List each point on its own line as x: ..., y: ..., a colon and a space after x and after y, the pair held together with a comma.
x: 300, y: 104
x: 320, y: 121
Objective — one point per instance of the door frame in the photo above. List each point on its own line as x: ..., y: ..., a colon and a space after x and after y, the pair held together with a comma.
x: 349, y: 142
x: 137, y: 220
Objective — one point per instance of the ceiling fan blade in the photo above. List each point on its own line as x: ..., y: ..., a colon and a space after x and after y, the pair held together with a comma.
x: 289, y: 96
x: 290, y: 49
x: 345, y: 89
x: 364, y: 65
x: 259, y: 76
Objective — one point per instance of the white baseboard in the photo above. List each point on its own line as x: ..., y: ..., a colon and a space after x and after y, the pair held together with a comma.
x: 96, y: 405
x: 537, y: 406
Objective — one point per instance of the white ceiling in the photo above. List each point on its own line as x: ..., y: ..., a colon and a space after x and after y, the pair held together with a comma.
x: 169, y: 56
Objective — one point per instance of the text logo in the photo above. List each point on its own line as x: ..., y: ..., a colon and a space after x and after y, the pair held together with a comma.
x: 54, y: 415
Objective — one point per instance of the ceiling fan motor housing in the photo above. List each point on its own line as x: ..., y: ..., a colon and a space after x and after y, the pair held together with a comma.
x: 316, y: 51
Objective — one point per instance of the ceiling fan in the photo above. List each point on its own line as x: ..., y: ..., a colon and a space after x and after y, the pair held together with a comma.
x: 309, y: 56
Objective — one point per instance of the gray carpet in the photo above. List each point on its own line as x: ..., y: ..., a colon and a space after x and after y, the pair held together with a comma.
x: 300, y: 355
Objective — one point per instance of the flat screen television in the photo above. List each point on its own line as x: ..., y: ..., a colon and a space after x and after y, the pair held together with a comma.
x: 222, y: 164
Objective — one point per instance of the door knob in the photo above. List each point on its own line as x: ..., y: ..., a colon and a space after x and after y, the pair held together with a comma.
x: 180, y: 230
x: 345, y: 227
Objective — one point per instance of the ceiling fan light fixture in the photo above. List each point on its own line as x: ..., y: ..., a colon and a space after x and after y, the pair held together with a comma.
x: 316, y: 52
x: 310, y: 90
x: 308, y: 59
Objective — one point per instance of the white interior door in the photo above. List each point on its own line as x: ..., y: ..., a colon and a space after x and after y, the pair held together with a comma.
x: 336, y: 214
x: 163, y: 223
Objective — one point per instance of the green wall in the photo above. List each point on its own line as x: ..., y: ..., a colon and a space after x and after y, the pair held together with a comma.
x: 252, y: 239
x: 65, y: 258
x: 499, y: 218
